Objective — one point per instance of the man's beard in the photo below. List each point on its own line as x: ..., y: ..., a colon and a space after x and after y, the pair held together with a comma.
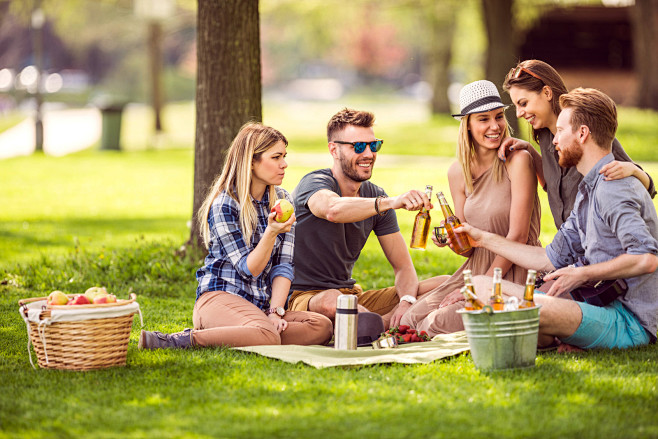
x: 349, y: 171
x: 570, y: 157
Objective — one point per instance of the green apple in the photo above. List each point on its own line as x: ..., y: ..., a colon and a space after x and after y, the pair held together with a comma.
x: 57, y: 298
x: 283, y: 210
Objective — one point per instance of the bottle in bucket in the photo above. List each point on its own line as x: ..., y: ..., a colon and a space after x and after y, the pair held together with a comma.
x: 496, y: 300
x: 472, y: 301
x: 346, y: 322
x: 528, y: 296
x: 468, y: 281
x: 459, y: 241
x: 421, y: 225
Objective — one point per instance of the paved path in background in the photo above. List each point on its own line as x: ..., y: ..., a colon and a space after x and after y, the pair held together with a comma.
x: 71, y: 130
x: 64, y: 131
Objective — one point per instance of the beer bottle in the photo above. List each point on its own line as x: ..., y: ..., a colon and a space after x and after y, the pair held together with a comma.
x: 459, y: 241
x: 496, y: 300
x: 528, y: 297
x: 422, y: 225
x: 468, y: 281
x: 472, y: 302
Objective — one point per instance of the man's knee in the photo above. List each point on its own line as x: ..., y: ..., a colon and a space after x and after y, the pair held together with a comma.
x: 558, y: 317
x: 325, y: 303
x: 482, y: 285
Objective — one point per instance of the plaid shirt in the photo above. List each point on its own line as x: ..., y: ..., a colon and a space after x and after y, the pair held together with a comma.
x: 225, y: 267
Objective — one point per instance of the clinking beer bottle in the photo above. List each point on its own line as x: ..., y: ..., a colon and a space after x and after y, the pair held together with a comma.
x: 496, y: 301
x: 528, y: 297
x: 472, y: 302
x: 459, y: 240
x: 421, y: 225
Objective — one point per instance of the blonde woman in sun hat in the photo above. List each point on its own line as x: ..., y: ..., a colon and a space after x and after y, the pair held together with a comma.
x: 501, y: 197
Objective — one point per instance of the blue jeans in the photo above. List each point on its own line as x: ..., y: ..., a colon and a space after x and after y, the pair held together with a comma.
x: 612, y: 326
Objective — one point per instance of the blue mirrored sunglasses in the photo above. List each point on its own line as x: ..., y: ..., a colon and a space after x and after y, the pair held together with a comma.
x: 359, y: 147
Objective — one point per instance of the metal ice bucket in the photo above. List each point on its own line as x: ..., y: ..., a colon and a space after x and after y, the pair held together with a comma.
x: 502, y: 339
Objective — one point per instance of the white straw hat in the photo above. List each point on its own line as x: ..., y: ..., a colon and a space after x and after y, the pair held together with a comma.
x: 478, y: 97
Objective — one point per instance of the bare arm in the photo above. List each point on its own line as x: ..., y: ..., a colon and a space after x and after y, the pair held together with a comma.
x: 618, y: 169
x: 524, y: 186
x: 526, y: 256
x: 280, y: 289
x: 332, y: 207
x: 511, y: 144
x: 406, y: 280
x: 623, y: 266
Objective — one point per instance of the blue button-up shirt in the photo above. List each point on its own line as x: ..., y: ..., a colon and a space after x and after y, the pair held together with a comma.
x: 225, y: 267
x: 611, y: 218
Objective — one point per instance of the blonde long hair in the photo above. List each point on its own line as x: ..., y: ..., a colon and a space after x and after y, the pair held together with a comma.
x: 252, y: 141
x: 466, y: 153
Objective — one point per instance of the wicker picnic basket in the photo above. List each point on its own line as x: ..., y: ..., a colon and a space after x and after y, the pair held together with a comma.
x: 79, y: 337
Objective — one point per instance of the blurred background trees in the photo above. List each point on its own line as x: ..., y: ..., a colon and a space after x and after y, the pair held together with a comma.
x: 322, y: 50
x: 225, y: 55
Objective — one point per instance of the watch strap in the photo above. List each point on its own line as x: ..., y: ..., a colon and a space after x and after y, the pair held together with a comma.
x: 408, y: 298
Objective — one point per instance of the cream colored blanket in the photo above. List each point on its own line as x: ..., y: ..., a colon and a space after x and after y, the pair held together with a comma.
x: 441, y: 346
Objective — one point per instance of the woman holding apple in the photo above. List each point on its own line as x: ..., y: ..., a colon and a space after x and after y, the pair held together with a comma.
x: 244, y: 282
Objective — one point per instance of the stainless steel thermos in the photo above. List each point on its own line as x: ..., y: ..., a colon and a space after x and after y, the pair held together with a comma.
x: 346, y: 322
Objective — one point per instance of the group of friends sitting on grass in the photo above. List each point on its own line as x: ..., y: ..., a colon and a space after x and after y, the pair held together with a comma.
x: 265, y: 282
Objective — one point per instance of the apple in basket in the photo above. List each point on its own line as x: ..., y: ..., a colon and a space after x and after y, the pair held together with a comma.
x: 283, y: 210
x: 94, y: 292
x: 105, y: 298
x: 80, y: 299
x: 57, y: 298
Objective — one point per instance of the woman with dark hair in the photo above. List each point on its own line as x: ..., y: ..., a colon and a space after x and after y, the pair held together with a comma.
x: 535, y: 88
x: 244, y: 283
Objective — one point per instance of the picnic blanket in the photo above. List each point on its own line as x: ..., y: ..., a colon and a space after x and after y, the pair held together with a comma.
x: 441, y: 346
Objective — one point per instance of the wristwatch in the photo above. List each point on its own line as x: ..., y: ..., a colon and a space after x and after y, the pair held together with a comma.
x: 278, y: 311
x: 408, y: 298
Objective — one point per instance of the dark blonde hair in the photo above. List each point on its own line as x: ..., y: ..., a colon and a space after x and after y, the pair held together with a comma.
x: 251, y: 142
x: 594, y: 109
x: 548, y: 76
x: 347, y: 116
x: 466, y: 152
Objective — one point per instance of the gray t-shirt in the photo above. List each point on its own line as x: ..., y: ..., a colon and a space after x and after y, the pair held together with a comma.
x: 612, y: 218
x: 325, y: 252
x: 562, y: 183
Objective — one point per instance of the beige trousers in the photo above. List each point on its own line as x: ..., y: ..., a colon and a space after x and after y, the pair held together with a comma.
x: 225, y: 319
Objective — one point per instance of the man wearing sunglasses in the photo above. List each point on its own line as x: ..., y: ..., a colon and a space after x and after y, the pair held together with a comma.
x: 337, y: 209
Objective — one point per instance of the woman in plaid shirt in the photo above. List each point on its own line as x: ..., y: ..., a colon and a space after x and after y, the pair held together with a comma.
x: 246, y: 276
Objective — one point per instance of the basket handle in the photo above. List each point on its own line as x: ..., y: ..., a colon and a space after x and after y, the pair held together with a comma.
x: 23, y: 302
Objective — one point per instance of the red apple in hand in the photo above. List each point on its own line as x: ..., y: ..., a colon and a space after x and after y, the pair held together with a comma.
x: 283, y: 210
x: 105, y: 298
x: 57, y: 298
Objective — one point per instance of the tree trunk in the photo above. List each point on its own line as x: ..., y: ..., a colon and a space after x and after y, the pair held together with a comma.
x: 228, y: 90
x: 443, y: 28
x: 502, y: 51
x: 155, y: 63
x: 645, y: 40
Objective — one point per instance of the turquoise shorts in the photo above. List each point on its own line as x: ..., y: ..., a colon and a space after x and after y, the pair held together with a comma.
x: 612, y: 326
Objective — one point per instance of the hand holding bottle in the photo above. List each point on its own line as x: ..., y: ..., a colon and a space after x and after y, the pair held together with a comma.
x: 458, y: 240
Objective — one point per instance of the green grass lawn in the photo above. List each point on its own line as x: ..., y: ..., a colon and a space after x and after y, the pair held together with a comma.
x: 117, y: 219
